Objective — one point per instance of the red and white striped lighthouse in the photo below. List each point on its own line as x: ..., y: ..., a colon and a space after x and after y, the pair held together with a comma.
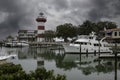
x: 41, y: 27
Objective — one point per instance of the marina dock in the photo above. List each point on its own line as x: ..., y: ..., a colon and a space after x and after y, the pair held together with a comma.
x: 45, y: 44
x: 108, y: 55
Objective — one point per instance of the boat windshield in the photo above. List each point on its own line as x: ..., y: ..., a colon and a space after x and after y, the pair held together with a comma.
x: 90, y: 37
x: 96, y: 44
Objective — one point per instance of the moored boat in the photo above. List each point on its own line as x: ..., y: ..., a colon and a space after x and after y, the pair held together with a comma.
x: 4, y: 57
x: 87, y: 44
x: 16, y: 44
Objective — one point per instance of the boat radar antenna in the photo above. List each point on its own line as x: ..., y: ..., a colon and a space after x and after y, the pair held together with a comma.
x: 92, y: 33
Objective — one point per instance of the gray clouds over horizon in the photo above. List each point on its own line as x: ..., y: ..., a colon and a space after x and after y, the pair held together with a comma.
x: 109, y: 9
x: 21, y: 14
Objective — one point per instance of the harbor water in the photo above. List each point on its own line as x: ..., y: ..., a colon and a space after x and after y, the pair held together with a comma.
x: 74, y: 66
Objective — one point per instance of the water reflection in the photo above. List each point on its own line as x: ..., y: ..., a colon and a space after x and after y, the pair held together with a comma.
x: 84, y: 67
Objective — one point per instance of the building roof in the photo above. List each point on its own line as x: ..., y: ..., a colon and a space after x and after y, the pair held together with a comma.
x: 110, y: 30
x: 26, y: 31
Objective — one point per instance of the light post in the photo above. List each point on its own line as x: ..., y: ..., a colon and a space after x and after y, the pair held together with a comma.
x: 80, y: 52
x: 115, y: 53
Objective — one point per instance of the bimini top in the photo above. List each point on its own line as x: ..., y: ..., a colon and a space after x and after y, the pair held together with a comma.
x: 86, y: 38
x: 82, y: 40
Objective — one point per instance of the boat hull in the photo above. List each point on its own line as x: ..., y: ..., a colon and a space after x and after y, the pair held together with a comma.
x: 6, y: 57
x: 85, y: 49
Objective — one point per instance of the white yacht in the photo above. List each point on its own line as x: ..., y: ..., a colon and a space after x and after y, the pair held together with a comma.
x: 16, y: 44
x: 87, y: 44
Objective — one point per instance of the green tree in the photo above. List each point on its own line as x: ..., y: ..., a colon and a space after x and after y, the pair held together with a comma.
x: 49, y: 35
x: 10, y: 71
x: 86, y: 28
x: 106, y: 24
x: 66, y: 30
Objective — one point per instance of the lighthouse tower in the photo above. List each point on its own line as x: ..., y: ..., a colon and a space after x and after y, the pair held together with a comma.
x: 41, y: 27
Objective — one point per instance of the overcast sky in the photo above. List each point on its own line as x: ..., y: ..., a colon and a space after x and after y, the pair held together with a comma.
x: 21, y: 14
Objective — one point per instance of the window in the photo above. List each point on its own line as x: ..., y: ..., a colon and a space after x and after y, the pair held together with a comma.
x: 97, y: 44
x: 115, y: 34
x: 90, y: 37
x: 82, y: 43
x: 21, y: 34
x: 76, y: 42
x: 85, y: 43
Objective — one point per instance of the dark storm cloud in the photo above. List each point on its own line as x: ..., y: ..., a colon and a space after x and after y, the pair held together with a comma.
x: 15, y: 12
x: 9, y: 26
x: 104, y: 9
x: 21, y: 14
x: 61, y: 4
x: 77, y: 11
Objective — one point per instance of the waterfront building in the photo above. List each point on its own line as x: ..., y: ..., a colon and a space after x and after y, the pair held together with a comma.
x: 41, y: 27
x: 27, y: 35
x: 113, y: 35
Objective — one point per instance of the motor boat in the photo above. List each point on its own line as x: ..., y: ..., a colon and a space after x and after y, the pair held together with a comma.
x: 16, y: 44
x: 87, y: 44
x: 7, y: 56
